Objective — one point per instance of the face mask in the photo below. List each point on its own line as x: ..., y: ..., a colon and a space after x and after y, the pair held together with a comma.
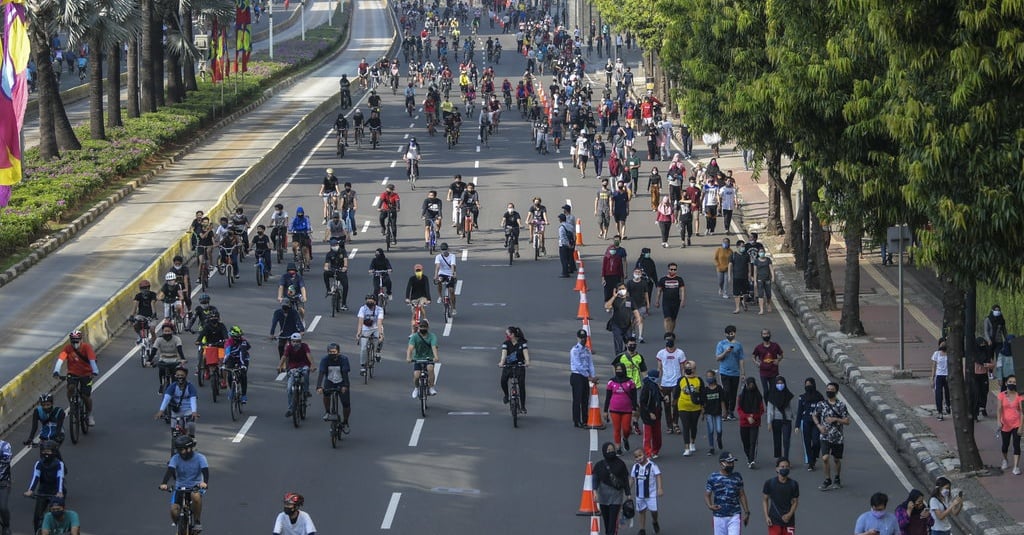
x: 57, y: 514
x: 370, y: 304
x: 784, y: 472
x: 808, y: 389
x: 622, y: 293
x: 725, y: 246
x: 288, y: 511
x: 945, y: 493
x: 636, y: 277
x: 167, y: 336
x: 780, y: 387
x: 620, y: 373
x: 647, y: 255
x: 423, y: 331
x: 180, y: 379
x: 760, y: 255
x: 942, y: 348
x: 710, y: 380
x: 689, y: 371
x: 669, y: 343
x: 730, y: 337
x: 728, y: 468
x: 631, y: 347
x: 997, y: 313
x: 831, y: 394
x: 76, y: 344
x: 1011, y: 388
x: 767, y: 338
x: 46, y: 456
x: 609, y: 455
x: 335, y: 247
x: 419, y: 274
x: 878, y: 514
x: 509, y: 210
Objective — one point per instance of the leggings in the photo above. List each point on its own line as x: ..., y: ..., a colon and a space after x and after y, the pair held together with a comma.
x: 941, y: 387
x: 5, y: 510
x: 610, y: 518
x: 621, y: 426
x: 666, y: 227
x: 670, y: 396
x: 731, y: 384
x: 782, y: 430
x: 714, y: 425
x: 690, y: 419
x: 1009, y: 436
x: 748, y: 435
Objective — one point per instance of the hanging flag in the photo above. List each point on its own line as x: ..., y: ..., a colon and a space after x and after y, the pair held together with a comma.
x: 14, y: 56
x: 243, y: 35
x: 215, y: 51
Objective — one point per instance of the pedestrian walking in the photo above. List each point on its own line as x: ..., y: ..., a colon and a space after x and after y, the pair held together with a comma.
x: 670, y: 361
x: 713, y: 405
x: 611, y: 486
x: 691, y: 402
x: 566, y: 246
x: 830, y: 415
x: 764, y: 275
x: 671, y: 297
x: 730, y: 357
x: 633, y: 361
x: 725, y: 497
x: 665, y: 217
x: 620, y: 403
x: 654, y: 188
x: 750, y: 408
x: 620, y: 207
x: 1004, y: 363
x: 639, y: 291
x: 780, y: 498
x: 940, y: 379
x: 612, y: 267
x: 768, y: 357
x: 650, y: 413
x: 581, y: 374
x: 877, y: 521
x: 983, y: 364
x: 647, y: 488
x: 621, y: 322
x: 722, y: 258
x: 913, y: 515
x: 780, y: 417
x: 805, y: 408
x: 944, y: 506
x: 740, y: 273
x: 727, y: 202
x: 1009, y: 415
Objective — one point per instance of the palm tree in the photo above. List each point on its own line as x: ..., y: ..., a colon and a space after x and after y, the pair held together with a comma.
x: 55, y: 132
x: 133, y: 76
x: 147, y: 84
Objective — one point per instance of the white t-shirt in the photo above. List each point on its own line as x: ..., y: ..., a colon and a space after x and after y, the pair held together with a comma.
x: 377, y: 315
x: 940, y: 525
x: 447, y: 264
x: 303, y: 525
x: 941, y: 361
x: 646, y: 479
x: 671, y: 366
x: 727, y: 197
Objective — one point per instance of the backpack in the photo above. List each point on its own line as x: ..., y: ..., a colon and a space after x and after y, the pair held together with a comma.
x: 650, y: 401
x: 611, y: 264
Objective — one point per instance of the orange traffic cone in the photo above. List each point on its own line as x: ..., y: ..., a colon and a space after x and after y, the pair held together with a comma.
x: 594, y: 415
x: 579, y: 233
x: 595, y: 526
x: 586, y: 327
x: 581, y: 280
x: 588, y: 503
x: 583, y: 312
x: 576, y: 257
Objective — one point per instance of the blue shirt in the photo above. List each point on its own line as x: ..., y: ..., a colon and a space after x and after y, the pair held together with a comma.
x: 886, y: 525
x: 188, y: 473
x: 730, y: 365
x: 300, y: 224
x: 581, y: 361
x: 725, y: 492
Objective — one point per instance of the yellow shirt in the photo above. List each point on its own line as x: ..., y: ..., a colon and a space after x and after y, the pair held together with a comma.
x: 686, y: 386
x: 447, y: 106
x: 722, y: 256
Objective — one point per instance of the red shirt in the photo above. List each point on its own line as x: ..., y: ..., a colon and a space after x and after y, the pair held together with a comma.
x: 768, y: 358
x: 78, y: 366
x: 297, y: 356
x: 388, y: 201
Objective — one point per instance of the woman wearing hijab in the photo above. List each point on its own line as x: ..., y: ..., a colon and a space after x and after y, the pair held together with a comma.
x: 654, y: 187
x: 913, y: 515
x: 619, y: 405
x: 611, y: 485
x: 665, y: 216
x: 780, y: 417
x: 750, y: 407
x: 805, y: 422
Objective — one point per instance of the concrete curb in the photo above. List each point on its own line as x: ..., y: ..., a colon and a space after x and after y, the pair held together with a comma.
x: 980, y: 516
x: 18, y: 396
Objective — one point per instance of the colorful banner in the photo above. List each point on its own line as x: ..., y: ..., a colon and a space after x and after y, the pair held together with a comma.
x: 243, y: 35
x: 14, y: 56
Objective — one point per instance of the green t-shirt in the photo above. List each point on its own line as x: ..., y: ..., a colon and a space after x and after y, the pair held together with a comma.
x: 422, y: 347
x: 634, y: 163
x: 62, y: 526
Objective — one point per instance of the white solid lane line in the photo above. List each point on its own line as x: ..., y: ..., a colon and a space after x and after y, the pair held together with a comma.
x: 353, y: 253
x: 389, y: 515
x: 568, y: 201
x: 313, y: 324
x: 245, y: 429
x: 465, y: 256
x: 565, y: 183
x: 414, y: 439
x: 447, y: 329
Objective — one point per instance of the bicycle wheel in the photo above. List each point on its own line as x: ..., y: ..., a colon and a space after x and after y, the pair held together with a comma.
x: 536, y: 247
x: 215, y: 384
x: 423, y: 399
x: 83, y: 419
x: 369, y: 361
x: 204, y: 276
x: 302, y: 403
x: 296, y: 402
x: 335, y: 302
x: 144, y: 350
x: 74, y: 416
x: 335, y: 433
x: 511, y: 250
x: 235, y: 402
x: 259, y: 274
x: 513, y: 404
x: 280, y: 250
x: 229, y: 270
x: 447, y: 310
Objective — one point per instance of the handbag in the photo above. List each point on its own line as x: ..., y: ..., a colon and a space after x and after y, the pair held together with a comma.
x: 629, y: 508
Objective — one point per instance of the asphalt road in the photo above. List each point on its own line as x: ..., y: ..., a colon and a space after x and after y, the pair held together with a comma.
x: 463, y: 469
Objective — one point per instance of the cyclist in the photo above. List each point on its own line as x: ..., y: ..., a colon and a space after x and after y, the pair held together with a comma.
x: 455, y: 190
x: 349, y: 205
x: 60, y: 521
x: 376, y: 127
x: 431, y: 213
x: 515, y: 357
x: 444, y: 274
x: 417, y: 290
x: 262, y: 245
x: 47, y: 420
x: 389, y: 206
x: 142, y: 310
x: 236, y: 355
x: 168, y: 352
x: 179, y: 268
x: 357, y: 124
x: 382, y: 265
x: 292, y: 287
x: 202, y: 313
x: 510, y: 222
x: 333, y: 375
x: 328, y: 189
x: 213, y: 335
x: 363, y: 71
x: 289, y: 322
x: 279, y: 226
x: 538, y: 220
x: 240, y: 226
x: 48, y: 475
x: 181, y: 399
x: 422, y: 352
x: 341, y: 127
x: 189, y: 469
x: 292, y: 521
x: 336, y: 230
x: 300, y: 229
x: 410, y: 96
x: 369, y: 325
x: 82, y: 367
x: 336, y: 266
x: 229, y: 253
x: 470, y: 201
x: 223, y: 229
x: 447, y: 108
x: 373, y: 101
x: 171, y: 294
x: 296, y: 356
x: 412, y: 158
x: 346, y: 91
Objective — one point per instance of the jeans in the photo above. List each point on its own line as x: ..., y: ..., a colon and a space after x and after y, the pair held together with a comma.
x: 666, y: 227
x: 598, y: 165
x: 305, y: 385
x: 364, y: 339
x: 565, y: 257
x: 721, y: 281
x: 727, y: 214
x: 782, y: 431
x: 941, y: 387
x: 687, y: 145
x: 348, y: 216
x: 520, y: 372
x: 714, y: 425
x: 619, y: 338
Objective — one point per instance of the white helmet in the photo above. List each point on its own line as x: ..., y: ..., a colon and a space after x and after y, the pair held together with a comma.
x: 170, y: 277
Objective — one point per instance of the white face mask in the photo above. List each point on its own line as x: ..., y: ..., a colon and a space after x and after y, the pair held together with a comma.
x: 997, y: 313
x: 622, y: 293
x: 510, y: 210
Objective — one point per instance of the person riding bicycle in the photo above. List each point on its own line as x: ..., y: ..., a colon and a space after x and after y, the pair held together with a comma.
x: 201, y: 313
x: 142, y: 310
x: 48, y: 476
x: 369, y: 325
x: 60, y: 521
x: 357, y: 123
x: 430, y: 110
x: 374, y: 123
x: 447, y: 108
x: 240, y: 226
x: 47, y: 421
x: 329, y: 189
x: 515, y: 357
x: 470, y: 202
x: 213, y: 335
x: 422, y: 352
x: 300, y: 229
x: 538, y: 219
x: 336, y: 266
x: 82, y: 368
x: 346, y: 91
x: 262, y: 246
x: 189, y: 469
x: 382, y: 265
x: 172, y: 295
x: 444, y: 274
x: 412, y: 158
x: 431, y: 214
x: 292, y: 521
x: 230, y: 247
x: 292, y: 288
x: 236, y: 355
x: 341, y: 127
x: 167, y: 352
x: 373, y: 100
x: 279, y: 226
x: 363, y: 71
x: 333, y: 375
x: 389, y: 206
x: 180, y: 400
x: 511, y: 222
x: 410, y: 96
x: 296, y: 356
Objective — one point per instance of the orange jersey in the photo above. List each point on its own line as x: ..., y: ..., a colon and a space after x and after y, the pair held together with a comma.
x: 77, y: 365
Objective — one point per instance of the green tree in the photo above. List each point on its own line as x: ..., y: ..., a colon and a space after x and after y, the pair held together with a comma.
x: 55, y: 131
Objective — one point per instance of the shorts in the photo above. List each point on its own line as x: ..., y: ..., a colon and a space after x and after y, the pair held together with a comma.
x: 764, y: 289
x: 670, y: 310
x: 447, y: 279
x: 177, y: 496
x: 647, y: 504
x: 781, y: 530
x: 832, y: 448
x: 642, y: 311
x: 620, y: 218
x: 740, y: 287
x: 84, y: 385
x: 420, y: 365
x: 727, y: 525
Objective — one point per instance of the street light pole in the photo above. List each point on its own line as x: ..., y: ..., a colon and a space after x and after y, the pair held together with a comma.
x: 270, y: 23
x: 302, y: 18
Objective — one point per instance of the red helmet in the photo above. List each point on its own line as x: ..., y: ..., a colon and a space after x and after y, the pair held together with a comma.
x: 294, y: 498
x: 75, y: 336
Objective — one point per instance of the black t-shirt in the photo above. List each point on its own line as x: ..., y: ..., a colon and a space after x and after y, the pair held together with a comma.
x: 170, y: 292
x: 261, y: 242
x: 330, y: 184
x: 510, y: 220
x: 637, y: 292
x: 145, y: 300
x: 456, y: 188
x: 336, y: 259
x: 780, y: 499
x: 431, y: 208
x: 740, y: 265
x: 712, y: 400
x: 514, y: 352
x: 670, y: 288
x: 622, y: 312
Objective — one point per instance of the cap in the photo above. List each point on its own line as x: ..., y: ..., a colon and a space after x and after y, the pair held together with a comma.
x: 424, y: 323
x: 418, y: 267
x: 56, y: 500
x: 726, y: 457
x: 645, y: 250
x: 582, y: 333
x: 566, y: 207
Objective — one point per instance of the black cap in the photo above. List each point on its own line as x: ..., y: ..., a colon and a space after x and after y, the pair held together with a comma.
x: 645, y: 250
x: 567, y: 207
x: 582, y: 333
x: 726, y: 457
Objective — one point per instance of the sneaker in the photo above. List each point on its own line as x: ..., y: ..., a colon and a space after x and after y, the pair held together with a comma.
x: 345, y: 428
x: 504, y: 399
x: 433, y: 391
x: 197, y: 527
x: 825, y: 485
x: 687, y: 452
x: 1016, y: 470
x: 327, y: 416
x: 711, y: 452
x: 836, y: 484
x: 391, y: 297
x: 1004, y: 465
x: 362, y: 371
x: 810, y: 468
x: 940, y: 416
x: 453, y: 312
x: 377, y: 357
x: 625, y: 444
x: 654, y: 456
x: 344, y: 307
x: 657, y: 527
x: 92, y: 421
x: 522, y: 410
x: 751, y: 465
x: 439, y: 300
x: 415, y: 393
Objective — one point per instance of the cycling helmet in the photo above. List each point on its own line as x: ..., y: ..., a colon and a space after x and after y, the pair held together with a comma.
x: 330, y: 170
x: 170, y: 277
x: 444, y: 246
x: 370, y: 297
x: 333, y: 345
x: 292, y: 290
x: 214, y: 316
x: 236, y: 331
x: 296, y: 337
x: 294, y: 498
x: 299, y: 211
x: 204, y: 299
x: 178, y: 258
x: 143, y: 285
x: 184, y: 441
x: 412, y: 140
x: 291, y: 267
x: 48, y: 445
x: 46, y: 398
x: 75, y: 336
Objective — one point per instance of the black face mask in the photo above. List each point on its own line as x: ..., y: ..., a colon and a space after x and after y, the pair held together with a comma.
x: 1011, y: 388
x: 631, y: 347
x: 609, y: 455
x: 423, y: 331
x: 688, y: 371
x: 57, y: 514
x: 46, y: 456
x: 167, y: 336
x: 181, y: 380
x: 808, y: 388
x: 187, y: 455
x: 728, y: 468
x: 767, y: 338
x: 831, y: 394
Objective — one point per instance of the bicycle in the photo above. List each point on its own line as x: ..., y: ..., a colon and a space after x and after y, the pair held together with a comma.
x: 300, y: 247
x: 234, y: 391
x: 513, y: 392
x: 446, y: 300
x: 185, y: 525
x: 412, y: 169
x: 78, y: 419
x: 374, y: 137
x: 390, y: 232
x: 451, y: 137
x: 339, y: 149
x: 261, y: 270
x: 337, y: 428
x: 330, y: 204
x: 278, y: 235
x: 165, y: 371
x: 511, y: 242
x: 210, y: 358
x: 467, y: 224
x: 380, y: 289
x: 179, y: 427
x: 410, y: 108
x: 538, y: 242
x: 228, y: 263
x: 419, y: 312
x: 372, y: 356
x: 297, y: 380
x: 335, y: 293
x: 143, y: 327
x: 423, y: 388
x: 433, y: 235
x: 177, y: 318
x: 204, y: 267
